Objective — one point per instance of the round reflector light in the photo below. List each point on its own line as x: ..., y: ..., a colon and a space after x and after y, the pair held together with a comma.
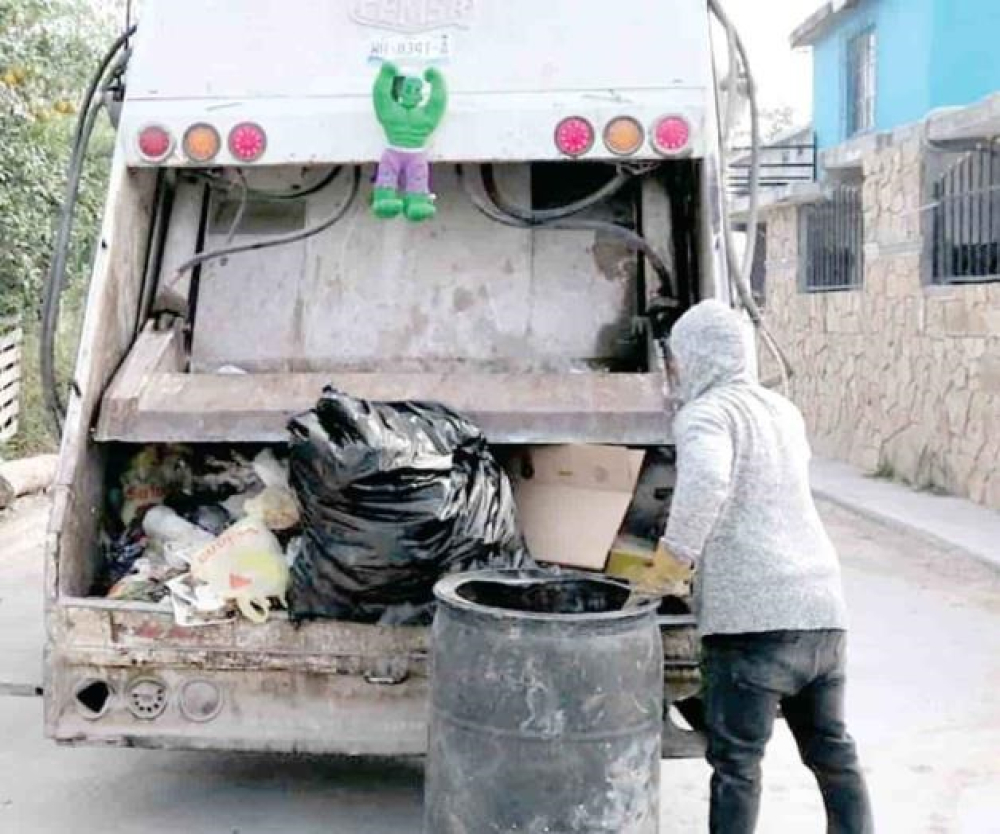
x: 623, y: 136
x: 201, y: 142
x: 155, y: 143
x: 574, y: 136
x: 671, y: 135
x: 247, y: 142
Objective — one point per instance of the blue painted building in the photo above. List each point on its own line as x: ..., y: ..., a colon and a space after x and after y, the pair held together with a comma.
x: 879, y: 64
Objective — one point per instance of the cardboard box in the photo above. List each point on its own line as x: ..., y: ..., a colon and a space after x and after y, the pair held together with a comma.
x: 573, y: 504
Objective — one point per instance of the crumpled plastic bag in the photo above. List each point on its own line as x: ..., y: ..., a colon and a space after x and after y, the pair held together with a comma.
x: 196, y: 604
x: 393, y: 496
x: 274, y: 505
x: 265, y: 494
x: 244, y: 565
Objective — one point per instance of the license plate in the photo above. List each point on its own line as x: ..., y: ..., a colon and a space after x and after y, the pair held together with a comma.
x: 415, y: 48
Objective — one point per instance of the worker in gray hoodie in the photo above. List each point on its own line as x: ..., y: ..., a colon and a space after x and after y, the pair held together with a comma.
x: 767, y: 583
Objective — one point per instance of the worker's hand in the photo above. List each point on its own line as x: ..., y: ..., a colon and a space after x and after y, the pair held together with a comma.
x: 669, y: 575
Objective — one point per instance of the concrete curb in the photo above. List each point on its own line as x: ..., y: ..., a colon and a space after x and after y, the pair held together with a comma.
x: 944, y: 520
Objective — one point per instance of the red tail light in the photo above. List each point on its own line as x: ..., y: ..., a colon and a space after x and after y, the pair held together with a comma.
x: 574, y: 136
x: 247, y: 142
x: 155, y: 143
x: 671, y: 135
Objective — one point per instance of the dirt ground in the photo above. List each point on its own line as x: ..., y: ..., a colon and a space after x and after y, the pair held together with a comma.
x: 924, y: 707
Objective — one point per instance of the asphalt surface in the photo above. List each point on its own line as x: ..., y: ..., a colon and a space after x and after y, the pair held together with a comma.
x: 924, y: 706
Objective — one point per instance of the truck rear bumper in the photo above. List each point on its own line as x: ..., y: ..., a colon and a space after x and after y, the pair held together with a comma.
x: 127, y: 676
x: 276, y: 711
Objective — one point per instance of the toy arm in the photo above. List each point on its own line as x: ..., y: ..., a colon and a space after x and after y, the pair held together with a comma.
x: 382, y: 94
x: 437, y: 103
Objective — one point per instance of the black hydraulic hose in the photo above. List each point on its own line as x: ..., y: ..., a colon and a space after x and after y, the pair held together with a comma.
x: 98, y: 77
x: 330, y: 176
x: 493, y: 206
x: 741, y: 275
x: 281, y: 240
x: 56, y: 282
x: 56, y: 279
x: 217, y: 182
x: 536, y: 216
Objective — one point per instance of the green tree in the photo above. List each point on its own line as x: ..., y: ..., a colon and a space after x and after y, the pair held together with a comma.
x: 48, y: 51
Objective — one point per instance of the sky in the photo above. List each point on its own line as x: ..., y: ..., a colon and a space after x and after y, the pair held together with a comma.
x: 783, y: 77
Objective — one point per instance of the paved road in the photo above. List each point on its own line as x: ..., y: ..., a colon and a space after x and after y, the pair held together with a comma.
x: 924, y: 705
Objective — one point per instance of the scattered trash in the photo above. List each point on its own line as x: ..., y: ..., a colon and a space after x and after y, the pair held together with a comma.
x: 375, y: 504
x: 197, y: 527
x: 393, y: 496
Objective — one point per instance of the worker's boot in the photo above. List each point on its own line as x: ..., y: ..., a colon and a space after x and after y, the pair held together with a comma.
x: 386, y: 203
x: 420, y: 207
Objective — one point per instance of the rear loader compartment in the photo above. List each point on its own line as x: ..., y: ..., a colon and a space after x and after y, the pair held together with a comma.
x: 125, y: 673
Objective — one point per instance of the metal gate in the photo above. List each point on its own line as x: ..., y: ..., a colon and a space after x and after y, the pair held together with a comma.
x: 833, y: 237
x: 967, y: 219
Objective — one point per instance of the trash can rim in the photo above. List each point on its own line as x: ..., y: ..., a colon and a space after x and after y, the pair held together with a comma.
x: 446, y: 591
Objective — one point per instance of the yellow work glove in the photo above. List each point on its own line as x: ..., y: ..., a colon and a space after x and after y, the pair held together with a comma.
x: 667, y: 576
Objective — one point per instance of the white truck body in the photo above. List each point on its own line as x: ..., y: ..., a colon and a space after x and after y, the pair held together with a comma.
x: 522, y: 328
x: 303, y: 71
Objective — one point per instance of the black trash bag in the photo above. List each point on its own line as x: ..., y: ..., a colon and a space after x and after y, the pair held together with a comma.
x: 393, y: 496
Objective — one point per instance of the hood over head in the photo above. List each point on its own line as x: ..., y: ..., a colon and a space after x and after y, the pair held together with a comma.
x: 710, y: 349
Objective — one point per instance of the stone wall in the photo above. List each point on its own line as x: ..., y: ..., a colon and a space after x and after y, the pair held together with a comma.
x: 897, y: 377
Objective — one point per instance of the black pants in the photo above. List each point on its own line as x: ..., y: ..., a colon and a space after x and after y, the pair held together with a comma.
x: 747, y: 676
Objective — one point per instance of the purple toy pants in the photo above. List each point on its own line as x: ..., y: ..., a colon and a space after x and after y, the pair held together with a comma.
x: 406, y: 170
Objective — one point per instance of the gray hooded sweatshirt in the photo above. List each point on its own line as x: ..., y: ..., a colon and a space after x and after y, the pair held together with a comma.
x: 742, y: 507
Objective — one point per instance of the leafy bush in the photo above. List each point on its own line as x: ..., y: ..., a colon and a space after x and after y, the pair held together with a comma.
x: 48, y: 51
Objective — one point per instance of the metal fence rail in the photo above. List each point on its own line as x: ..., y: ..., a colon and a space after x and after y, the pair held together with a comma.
x: 11, y: 337
x: 833, y: 240
x: 780, y: 165
x: 967, y: 219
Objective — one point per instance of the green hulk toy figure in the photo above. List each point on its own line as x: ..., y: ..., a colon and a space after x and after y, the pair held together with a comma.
x: 408, y: 124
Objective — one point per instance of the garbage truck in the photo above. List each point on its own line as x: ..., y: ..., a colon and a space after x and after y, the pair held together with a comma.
x: 259, y: 243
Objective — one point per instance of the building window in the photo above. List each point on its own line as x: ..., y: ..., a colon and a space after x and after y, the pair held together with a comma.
x: 861, y: 83
x: 966, y: 245
x: 832, y: 233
